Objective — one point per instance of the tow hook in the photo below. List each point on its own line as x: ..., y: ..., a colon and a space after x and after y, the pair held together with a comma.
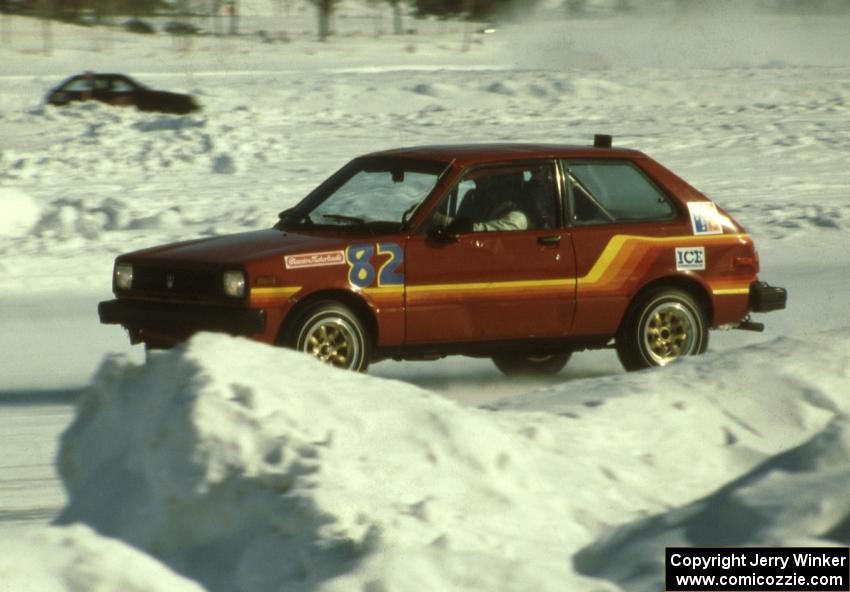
x: 748, y: 325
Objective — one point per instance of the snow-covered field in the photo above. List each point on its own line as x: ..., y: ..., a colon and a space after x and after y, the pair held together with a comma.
x: 247, y: 468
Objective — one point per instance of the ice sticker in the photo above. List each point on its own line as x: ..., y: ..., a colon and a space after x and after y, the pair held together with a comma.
x: 690, y: 258
x: 704, y: 217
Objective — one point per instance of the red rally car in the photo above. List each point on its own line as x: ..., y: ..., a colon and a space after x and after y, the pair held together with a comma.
x: 523, y: 253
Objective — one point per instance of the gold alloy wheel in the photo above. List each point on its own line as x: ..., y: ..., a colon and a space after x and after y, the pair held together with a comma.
x: 670, y: 332
x: 332, y: 340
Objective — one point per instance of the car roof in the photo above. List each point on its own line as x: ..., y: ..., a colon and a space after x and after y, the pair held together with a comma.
x: 111, y: 75
x: 465, y: 154
x: 99, y: 76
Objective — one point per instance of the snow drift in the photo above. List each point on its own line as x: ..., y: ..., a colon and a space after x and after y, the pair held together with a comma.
x: 18, y: 212
x: 798, y: 499
x: 251, y: 468
x: 74, y: 558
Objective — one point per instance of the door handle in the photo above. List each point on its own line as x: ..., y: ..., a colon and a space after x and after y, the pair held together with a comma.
x: 549, y: 240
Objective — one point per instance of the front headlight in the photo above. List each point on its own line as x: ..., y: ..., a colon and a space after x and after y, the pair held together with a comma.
x: 234, y: 284
x: 123, y: 276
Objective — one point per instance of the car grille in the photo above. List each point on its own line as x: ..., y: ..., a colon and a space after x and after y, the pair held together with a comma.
x: 185, y: 283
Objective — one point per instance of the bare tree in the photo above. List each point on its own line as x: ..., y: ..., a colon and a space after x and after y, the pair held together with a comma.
x: 398, y: 29
x: 468, y: 9
x: 5, y: 24
x: 576, y: 7
x: 233, y: 14
x: 282, y: 12
x: 325, y: 9
x: 47, y: 11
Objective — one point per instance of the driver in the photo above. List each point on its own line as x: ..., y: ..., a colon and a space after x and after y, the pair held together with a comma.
x: 491, y: 206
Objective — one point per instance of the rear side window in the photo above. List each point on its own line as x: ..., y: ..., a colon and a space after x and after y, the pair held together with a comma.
x: 119, y: 85
x: 613, y: 191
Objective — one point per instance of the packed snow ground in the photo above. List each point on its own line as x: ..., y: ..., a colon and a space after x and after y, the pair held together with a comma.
x: 753, y: 110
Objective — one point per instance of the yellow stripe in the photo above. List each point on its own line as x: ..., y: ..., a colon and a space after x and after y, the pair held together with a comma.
x: 384, y: 290
x: 490, y: 285
x: 276, y: 292
x: 609, y: 255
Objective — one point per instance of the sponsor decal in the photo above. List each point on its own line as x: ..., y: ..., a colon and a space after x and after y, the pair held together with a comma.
x: 705, y: 219
x: 314, y: 259
x: 690, y: 258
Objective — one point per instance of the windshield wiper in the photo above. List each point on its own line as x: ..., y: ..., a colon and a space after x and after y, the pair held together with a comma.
x: 343, y: 218
x: 407, y: 213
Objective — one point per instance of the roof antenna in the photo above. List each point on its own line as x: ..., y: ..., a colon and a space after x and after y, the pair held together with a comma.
x: 602, y: 141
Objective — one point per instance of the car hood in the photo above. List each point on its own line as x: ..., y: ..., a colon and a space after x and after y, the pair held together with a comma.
x: 238, y: 249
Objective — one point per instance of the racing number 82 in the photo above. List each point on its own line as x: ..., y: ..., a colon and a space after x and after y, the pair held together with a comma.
x: 361, y: 272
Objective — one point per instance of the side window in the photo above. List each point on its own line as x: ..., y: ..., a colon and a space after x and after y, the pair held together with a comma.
x: 613, y: 191
x: 121, y: 86
x: 78, y: 85
x: 502, y: 198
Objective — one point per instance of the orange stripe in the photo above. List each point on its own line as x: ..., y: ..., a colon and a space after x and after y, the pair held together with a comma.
x: 276, y: 294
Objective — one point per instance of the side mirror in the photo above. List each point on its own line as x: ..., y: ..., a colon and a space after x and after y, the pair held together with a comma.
x: 440, y: 234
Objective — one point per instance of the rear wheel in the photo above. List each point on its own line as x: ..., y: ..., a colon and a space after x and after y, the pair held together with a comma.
x: 333, y: 334
x: 534, y: 365
x: 661, y: 326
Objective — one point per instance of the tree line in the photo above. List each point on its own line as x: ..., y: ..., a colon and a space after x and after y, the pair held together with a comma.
x: 481, y: 10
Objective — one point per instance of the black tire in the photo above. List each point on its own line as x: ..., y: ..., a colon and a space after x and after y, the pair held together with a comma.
x: 333, y: 334
x: 660, y: 326
x: 531, y: 365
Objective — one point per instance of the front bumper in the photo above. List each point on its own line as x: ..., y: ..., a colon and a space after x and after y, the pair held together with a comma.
x: 181, y: 319
x: 765, y: 298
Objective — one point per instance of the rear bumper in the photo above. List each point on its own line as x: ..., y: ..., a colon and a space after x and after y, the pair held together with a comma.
x: 181, y: 319
x: 765, y: 298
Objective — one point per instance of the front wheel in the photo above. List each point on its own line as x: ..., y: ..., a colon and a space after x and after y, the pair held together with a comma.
x: 333, y: 334
x: 535, y: 365
x: 661, y: 326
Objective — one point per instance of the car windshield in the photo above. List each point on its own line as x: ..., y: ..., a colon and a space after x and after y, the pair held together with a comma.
x: 368, y: 193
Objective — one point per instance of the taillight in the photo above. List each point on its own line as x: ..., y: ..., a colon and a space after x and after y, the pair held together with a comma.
x: 750, y: 262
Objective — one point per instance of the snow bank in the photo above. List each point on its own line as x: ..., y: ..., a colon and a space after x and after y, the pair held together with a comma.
x: 74, y: 558
x: 18, y: 212
x: 798, y: 498
x: 252, y: 468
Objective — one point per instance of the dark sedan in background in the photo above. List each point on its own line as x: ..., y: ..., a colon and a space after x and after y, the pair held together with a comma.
x: 117, y: 89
